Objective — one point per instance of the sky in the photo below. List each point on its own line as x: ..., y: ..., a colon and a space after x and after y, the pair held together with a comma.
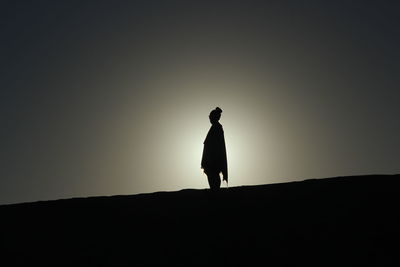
x: 113, y: 97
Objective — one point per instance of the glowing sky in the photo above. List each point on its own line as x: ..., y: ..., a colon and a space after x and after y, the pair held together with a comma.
x: 113, y: 97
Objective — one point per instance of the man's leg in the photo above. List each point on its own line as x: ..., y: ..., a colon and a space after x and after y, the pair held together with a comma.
x: 214, y: 180
x: 217, y: 180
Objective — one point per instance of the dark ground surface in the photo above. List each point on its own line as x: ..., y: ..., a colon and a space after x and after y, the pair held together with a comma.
x: 344, y: 221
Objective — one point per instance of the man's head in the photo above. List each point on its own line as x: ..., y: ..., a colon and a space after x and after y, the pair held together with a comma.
x: 215, y: 115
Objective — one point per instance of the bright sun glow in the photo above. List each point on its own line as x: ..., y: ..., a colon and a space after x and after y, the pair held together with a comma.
x: 185, y: 128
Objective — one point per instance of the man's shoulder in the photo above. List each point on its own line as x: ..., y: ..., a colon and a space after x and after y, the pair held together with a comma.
x: 217, y: 126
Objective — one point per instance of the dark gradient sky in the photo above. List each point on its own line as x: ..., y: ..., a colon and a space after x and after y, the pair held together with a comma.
x: 113, y: 97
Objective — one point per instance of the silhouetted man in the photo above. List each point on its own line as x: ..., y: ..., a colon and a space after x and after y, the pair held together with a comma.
x: 214, y: 161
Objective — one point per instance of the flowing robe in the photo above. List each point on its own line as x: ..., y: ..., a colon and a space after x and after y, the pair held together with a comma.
x: 214, y: 152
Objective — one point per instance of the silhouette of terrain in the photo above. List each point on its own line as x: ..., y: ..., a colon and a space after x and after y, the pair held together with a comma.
x: 342, y: 221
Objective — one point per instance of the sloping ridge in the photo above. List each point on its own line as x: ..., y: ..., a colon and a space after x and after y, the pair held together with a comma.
x: 342, y: 221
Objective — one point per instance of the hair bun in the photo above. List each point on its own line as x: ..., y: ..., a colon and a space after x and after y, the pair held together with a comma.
x: 218, y: 110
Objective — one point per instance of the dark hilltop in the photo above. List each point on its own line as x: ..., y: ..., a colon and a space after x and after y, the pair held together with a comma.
x: 342, y: 221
